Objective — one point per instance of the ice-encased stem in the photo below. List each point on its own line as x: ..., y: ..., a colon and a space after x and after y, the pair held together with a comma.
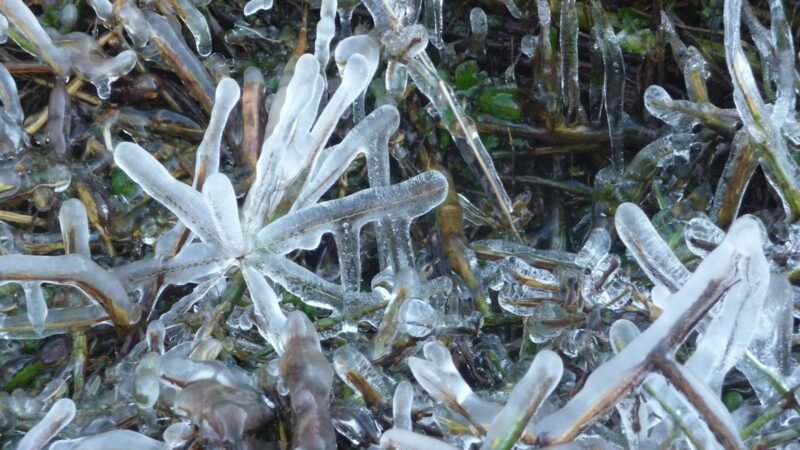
x: 782, y: 171
x: 402, y: 402
x: 651, y: 252
x: 542, y: 377
x: 59, y: 416
x: 23, y: 19
x: 736, y: 175
x: 74, y: 227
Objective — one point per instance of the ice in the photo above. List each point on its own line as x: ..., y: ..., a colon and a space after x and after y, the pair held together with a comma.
x: 528, y: 45
x: 177, y: 434
x: 221, y: 200
x: 60, y: 415
x: 418, y: 318
x: 103, y: 9
x: 358, y: 373
x: 10, y: 97
x: 527, y: 396
x: 371, y: 137
x: 399, y: 439
x: 68, y: 16
x: 110, y: 440
x: 512, y: 7
x: 595, y: 249
x: 326, y: 29
x: 368, y: 47
x: 702, y: 236
x: 156, y: 335
x: 59, y: 321
x: 401, y: 406
x: 28, y: 25
x: 208, y: 152
x: 181, y: 199
x: 196, y: 23
x: 254, y: 6
x: 735, y: 323
x: 74, y: 227
x: 657, y: 101
x: 479, y: 28
x: 267, y: 307
x: 145, y: 381
x: 769, y: 354
x: 303, y: 283
x: 439, y: 377
x: 133, y: 21
x: 651, y: 252
x: 346, y: 19
x: 206, y: 349
x: 408, y: 199
x: 179, y: 57
x: 3, y: 29
x: 719, y: 273
x: 783, y: 42
x: 781, y: 170
x: 433, y: 21
x: 35, y: 305
x: 308, y: 376
x: 78, y: 271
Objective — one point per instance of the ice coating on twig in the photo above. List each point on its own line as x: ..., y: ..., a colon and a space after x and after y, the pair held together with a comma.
x: 60, y: 415
x: 368, y: 47
x: 326, y: 29
x: 21, y: 16
x: 133, y: 21
x: 542, y: 377
x: 58, y: 123
x: 568, y: 41
x: 715, y: 277
x: 103, y: 9
x: 358, y: 373
x: 734, y: 324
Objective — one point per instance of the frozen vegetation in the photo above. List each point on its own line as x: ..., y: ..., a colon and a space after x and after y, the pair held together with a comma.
x: 265, y: 225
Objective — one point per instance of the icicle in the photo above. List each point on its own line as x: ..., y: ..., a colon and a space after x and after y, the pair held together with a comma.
x: 59, y: 416
x: 36, y: 306
x: 156, y: 335
x: 433, y: 21
x: 346, y: 19
x: 58, y: 122
x: 367, y: 47
x: 613, y: 83
x: 512, y: 7
x: 196, y: 23
x: 479, y: 28
x: 401, y: 406
x: 568, y: 42
x: 74, y: 227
